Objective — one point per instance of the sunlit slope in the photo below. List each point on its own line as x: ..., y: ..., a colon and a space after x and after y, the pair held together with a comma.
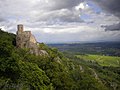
x: 102, y: 60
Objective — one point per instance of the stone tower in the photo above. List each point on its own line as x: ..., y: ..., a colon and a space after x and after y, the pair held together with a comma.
x: 24, y: 39
x: 20, y: 29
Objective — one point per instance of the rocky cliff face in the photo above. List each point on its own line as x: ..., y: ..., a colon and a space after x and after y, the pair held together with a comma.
x: 24, y: 39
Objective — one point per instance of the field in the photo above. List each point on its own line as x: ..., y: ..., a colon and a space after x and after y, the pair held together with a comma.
x: 104, y: 53
x: 102, y: 60
x: 103, y: 48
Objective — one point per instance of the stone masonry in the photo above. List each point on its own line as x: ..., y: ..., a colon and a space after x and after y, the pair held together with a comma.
x: 24, y: 39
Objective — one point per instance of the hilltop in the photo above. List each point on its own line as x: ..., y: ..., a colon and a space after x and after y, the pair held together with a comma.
x: 25, y: 39
x: 22, y: 70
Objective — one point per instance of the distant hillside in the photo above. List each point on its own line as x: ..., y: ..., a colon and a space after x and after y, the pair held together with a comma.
x: 102, y: 60
x: 21, y: 70
x: 101, y: 48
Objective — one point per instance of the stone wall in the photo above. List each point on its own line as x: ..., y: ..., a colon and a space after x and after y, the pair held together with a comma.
x: 32, y: 39
x: 24, y: 39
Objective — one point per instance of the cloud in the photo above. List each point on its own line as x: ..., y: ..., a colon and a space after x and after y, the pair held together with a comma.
x: 112, y: 6
x: 114, y: 27
x: 60, y: 20
x: 49, y: 11
x: 57, y: 11
x: 75, y: 33
x: 57, y: 4
x: 63, y: 15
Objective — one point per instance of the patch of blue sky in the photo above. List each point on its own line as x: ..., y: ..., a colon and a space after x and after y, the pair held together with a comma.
x: 85, y: 17
x: 95, y: 7
x: 14, y: 17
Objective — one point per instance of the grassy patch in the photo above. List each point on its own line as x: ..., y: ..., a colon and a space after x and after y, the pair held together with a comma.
x: 102, y: 60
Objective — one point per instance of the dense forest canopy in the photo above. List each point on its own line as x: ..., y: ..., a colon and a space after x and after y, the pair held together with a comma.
x: 20, y: 70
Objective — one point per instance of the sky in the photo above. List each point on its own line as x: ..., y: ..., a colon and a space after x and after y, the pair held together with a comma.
x: 57, y: 21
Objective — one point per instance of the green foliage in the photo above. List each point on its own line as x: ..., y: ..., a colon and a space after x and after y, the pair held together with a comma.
x: 108, y: 75
x: 34, y: 77
x: 4, y: 36
x: 20, y: 70
x: 5, y: 49
x: 15, y: 72
x: 53, y: 52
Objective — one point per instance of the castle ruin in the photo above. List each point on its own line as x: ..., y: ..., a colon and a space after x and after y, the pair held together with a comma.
x: 24, y: 39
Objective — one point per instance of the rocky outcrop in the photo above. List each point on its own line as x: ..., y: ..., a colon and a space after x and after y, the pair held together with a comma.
x: 24, y: 39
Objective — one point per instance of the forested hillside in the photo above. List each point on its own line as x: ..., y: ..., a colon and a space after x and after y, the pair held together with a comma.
x: 20, y: 70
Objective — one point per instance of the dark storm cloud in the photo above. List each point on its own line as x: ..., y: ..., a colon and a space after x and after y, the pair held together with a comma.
x: 58, y: 11
x: 64, y: 15
x: 112, y: 6
x: 59, y: 4
x: 114, y: 27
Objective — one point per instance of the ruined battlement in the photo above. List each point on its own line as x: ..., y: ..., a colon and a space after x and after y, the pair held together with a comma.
x: 20, y: 29
x: 25, y: 39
